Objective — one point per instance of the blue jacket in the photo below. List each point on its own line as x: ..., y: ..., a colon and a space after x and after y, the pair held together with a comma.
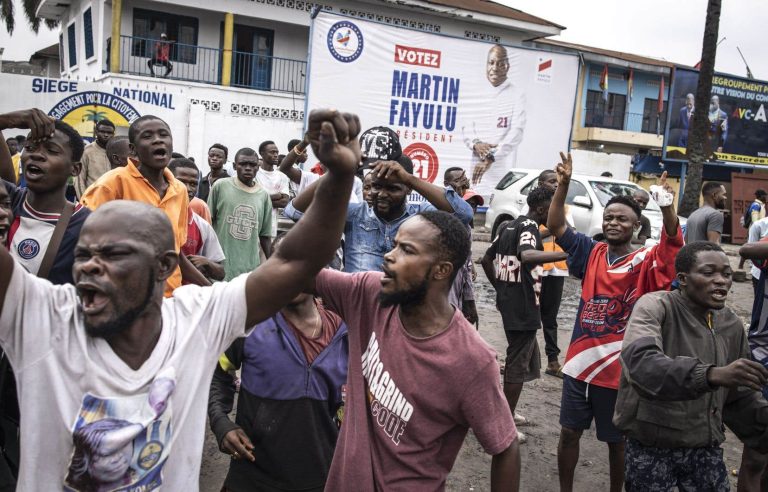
x: 286, y: 407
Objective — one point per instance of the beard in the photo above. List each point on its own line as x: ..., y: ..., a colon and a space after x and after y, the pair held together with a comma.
x: 406, y: 298
x: 121, y: 321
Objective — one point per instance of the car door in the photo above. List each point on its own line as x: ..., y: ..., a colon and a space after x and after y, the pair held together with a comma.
x: 582, y: 209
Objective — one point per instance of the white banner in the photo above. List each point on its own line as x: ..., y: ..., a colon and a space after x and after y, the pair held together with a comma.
x: 453, y: 102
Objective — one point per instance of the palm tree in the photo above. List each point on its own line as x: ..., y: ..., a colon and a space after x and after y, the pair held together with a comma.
x: 7, y: 15
x: 696, y: 152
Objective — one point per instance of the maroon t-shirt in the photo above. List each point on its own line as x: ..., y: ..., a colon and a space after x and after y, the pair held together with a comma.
x: 409, y: 401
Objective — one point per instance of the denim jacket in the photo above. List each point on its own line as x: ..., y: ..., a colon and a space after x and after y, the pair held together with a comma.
x: 368, y: 238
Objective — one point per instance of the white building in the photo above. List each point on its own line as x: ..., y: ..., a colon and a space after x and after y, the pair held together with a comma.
x: 239, y: 66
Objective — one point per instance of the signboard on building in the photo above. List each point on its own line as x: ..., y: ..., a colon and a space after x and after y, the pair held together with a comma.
x: 738, y: 130
x: 453, y: 102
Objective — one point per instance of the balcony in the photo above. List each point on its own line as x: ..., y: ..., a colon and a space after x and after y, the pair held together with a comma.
x: 620, y: 127
x: 190, y: 63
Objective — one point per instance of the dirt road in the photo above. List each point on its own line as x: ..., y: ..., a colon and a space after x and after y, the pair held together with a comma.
x: 540, y: 403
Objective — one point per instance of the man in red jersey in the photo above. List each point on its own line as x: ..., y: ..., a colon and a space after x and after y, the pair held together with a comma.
x: 613, y: 277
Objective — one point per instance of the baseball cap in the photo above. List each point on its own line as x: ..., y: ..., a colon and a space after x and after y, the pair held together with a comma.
x: 379, y: 144
x: 470, y: 194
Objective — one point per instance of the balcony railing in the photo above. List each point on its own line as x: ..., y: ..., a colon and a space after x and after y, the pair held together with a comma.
x: 144, y: 56
x: 621, y: 120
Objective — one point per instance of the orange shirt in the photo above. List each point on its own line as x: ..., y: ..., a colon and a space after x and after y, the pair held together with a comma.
x: 127, y: 183
x: 200, y: 208
x: 550, y: 245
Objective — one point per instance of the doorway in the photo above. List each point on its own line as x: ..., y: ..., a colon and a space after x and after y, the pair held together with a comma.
x: 252, y: 57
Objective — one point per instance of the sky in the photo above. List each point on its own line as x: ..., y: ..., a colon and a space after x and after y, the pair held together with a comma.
x: 656, y: 28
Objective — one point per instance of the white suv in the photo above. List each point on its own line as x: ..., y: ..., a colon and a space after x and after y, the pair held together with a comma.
x: 587, y: 197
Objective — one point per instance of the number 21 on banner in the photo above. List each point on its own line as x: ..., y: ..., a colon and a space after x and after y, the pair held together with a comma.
x: 503, y: 122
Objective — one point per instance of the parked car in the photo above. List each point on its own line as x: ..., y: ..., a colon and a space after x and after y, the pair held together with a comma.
x: 587, y: 197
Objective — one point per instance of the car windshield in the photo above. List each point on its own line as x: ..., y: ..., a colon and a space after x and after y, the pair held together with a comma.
x: 606, y: 190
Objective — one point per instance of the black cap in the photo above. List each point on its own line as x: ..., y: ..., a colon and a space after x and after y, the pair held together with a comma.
x: 379, y: 144
x: 760, y: 192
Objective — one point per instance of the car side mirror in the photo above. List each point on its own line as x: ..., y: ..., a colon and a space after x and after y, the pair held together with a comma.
x: 582, y: 201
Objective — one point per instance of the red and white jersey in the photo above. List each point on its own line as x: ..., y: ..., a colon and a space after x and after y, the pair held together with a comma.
x: 610, y: 287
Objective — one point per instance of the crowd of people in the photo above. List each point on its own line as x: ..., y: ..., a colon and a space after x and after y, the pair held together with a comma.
x: 139, y: 297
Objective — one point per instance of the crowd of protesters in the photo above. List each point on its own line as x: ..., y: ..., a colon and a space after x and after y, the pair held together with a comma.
x: 139, y: 297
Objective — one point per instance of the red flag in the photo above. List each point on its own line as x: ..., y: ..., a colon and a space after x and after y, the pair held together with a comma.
x: 604, y: 82
x: 660, y: 102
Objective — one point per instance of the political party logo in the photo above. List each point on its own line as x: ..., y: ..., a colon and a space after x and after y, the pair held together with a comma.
x: 417, y: 56
x: 425, y: 161
x: 544, y: 70
x: 345, y: 41
x: 28, y: 248
x: 83, y: 110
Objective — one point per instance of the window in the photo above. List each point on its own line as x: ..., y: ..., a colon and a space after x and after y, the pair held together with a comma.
x: 509, y: 179
x: 88, y: 33
x: 527, y: 188
x: 61, y: 53
x: 72, y: 45
x: 606, y: 190
x: 605, y: 114
x: 576, y: 189
x: 148, y: 25
x: 650, y: 117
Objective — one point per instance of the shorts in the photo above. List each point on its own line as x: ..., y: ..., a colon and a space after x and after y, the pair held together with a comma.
x: 583, y: 402
x: 523, y: 362
x: 689, y: 469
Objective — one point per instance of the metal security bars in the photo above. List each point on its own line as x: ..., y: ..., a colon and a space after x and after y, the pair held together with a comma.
x: 178, y: 61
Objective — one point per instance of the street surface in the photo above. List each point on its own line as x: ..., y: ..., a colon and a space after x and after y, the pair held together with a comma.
x: 539, y: 403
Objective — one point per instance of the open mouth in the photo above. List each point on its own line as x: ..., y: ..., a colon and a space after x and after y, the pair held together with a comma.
x: 92, y: 299
x: 3, y: 233
x: 160, y: 153
x: 388, y: 276
x: 33, y: 171
x: 719, y: 294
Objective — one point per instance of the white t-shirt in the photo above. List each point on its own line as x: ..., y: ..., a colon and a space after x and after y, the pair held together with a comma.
x: 307, y: 178
x: 211, y: 246
x: 78, y: 398
x: 757, y: 231
x: 274, y: 182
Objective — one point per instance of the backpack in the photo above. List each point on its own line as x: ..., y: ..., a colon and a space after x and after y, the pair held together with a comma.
x: 746, y: 220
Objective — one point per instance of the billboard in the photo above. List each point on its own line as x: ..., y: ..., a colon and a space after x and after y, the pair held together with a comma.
x: 738, y: 130
x: 453, y: 102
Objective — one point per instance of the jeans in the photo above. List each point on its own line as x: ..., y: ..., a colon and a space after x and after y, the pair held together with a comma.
x: 549, y: 303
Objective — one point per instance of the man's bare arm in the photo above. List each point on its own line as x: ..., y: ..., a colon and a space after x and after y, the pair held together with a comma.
x: 33, y: 119
x: 286, y: 165
x: 713, y: 237
x: 279, y: 200
x: 290, y: 269
x: 505, y: 469
x: 556, y: 222
x: 393, y: 171
x: 754, y: 251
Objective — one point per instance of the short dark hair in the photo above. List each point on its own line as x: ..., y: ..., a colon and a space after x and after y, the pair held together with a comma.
x: 132, y: 130
x: 182, y: 162
x: 539, y: 196
x: 293, y: 143
x: 451, y: 170
x: 177, y: 155
x: 76, y: 143
x: 263, y: 145
x: 105, y: 122
x: 220, y: 147
x: 686, y: 257
x: 760, y: 192
x: 606, y: 174
x: 452, y: 239
x: 628, y: 201
x: 114, y: 141
x: 543, y: 173
x: 710, y: 187
x: 20, y: 138
x: 8, y: 140
x: 246, y: 151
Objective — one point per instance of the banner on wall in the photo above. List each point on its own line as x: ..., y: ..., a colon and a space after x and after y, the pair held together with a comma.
x: 738, y: 122
x: 82, y: 104
x: 453, y: 102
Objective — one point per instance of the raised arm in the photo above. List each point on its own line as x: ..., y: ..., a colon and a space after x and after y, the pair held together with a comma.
x: 754, y: 251
x: 311, y: 243
x: 556, y: 222
x: 671, y: 222
x: 286, y: 165
x: 33, y: 119
x: 393, y: 171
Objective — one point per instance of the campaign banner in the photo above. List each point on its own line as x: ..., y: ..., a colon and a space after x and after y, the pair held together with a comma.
x: 453, y: 102
x: 81, y: 104
x: 738, y: 124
